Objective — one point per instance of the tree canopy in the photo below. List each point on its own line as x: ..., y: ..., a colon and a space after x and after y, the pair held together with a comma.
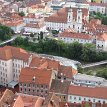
x: 5, y: 32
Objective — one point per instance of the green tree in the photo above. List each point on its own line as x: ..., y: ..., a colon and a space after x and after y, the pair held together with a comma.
x: 5, y: 32
x: 21, y: 14
x: 41, y: 35
x: 104, y: 20
x: 74, y: 50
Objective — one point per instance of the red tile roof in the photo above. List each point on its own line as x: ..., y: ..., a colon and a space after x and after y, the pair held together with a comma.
x: 59, y: 17
x: 13, y: 23
x: 34, y: 25
x: 62, y: 14
x: 19, y: 102
x: 68, y: 72
x: 66, y: 104
x: 42, y: 76
x: 102, y: 37
x: 9, y: 52
x: 76, y: 35
x: 94, y: 92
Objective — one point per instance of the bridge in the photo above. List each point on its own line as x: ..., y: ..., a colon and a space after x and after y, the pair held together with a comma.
x: 94, y: 64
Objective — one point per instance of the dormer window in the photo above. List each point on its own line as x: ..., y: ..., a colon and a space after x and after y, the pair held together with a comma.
x: 33, y: 79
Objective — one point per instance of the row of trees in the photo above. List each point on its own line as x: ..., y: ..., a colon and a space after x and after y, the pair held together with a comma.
x: 77, y: 51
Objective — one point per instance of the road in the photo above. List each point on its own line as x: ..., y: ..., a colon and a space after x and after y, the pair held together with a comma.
x: 94, y: 64
x: 7, y: 41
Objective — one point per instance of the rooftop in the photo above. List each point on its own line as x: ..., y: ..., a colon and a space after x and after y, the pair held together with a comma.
x: 9, y: 52
x: 42, y: 76
x: 88, y: 78
x: 93, y: 92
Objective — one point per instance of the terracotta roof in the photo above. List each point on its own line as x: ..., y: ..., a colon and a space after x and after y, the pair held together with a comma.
x: 95, y: 21
x: 37, y: 6
x: 37, y: 61
x: 7, y: 98
x: 34, y: 25
x: 94, y: 92
x: 30, y: 100
x: 102, y: 37
x: 39, y: 102
x: 59, y: 17
x: 42, y: 76
x: 68, y: 72
x: 62, y: 14
x: 9, y: 52
x: 19, y: 102
x: 60, y: 87
x: 14, y: 22
x: 66, y: 104
x: 76, y: 35
x: 54, y: 101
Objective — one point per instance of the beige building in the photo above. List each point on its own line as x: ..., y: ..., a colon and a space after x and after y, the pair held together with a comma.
x: 11, y: 61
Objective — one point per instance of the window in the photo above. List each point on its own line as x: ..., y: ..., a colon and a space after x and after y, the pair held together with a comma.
x: 20, y: 89
x: 29, y: 89
x: 74, y: 98
x: 93, y: 100
x: 79, y: 98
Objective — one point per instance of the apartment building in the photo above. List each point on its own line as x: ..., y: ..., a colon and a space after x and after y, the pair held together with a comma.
x: 70, y: 37
x: 11, y: 61
x: 78, y: 94
x: 35, y: 81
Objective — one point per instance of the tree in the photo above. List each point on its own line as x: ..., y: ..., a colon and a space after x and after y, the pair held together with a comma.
x: 21, y: 14
x: 5, y: 32
x: 104, y: 20
x: 41, y: 35
x: 74, y: 50
x: 18, y: 41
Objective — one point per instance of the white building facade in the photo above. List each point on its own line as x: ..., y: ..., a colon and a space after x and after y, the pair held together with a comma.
x: 67, y: 18
x: 11, y: 64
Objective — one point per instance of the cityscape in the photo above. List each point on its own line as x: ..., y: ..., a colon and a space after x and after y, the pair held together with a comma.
x: 53, y: 53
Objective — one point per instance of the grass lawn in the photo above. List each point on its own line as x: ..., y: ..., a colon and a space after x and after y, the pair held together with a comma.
x: 94, y: 70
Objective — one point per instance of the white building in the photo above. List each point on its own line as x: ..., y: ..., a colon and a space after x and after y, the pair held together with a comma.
x: 70, y: 37
x: 101, y: 42
x: 11, y: 61
x: 15, y: 25
x: 98, y: 7
x: 34, y: 28
x: 87, y: 80
x: 32, y: 18
x: 23, y: 8
x: 78, y: 94
x: 67, y: 18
